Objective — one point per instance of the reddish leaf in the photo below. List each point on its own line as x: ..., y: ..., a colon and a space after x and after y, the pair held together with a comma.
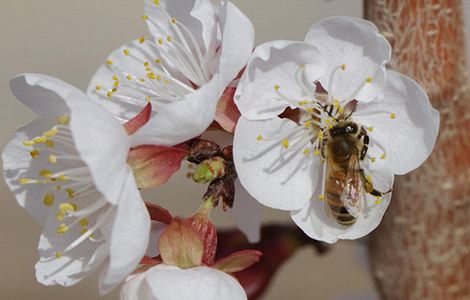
x: 147, y: 260
x: 227, y: 113
x: 158, y: 213
x: 238, y: 261
x: 154, y: 165
x: 138, y: 121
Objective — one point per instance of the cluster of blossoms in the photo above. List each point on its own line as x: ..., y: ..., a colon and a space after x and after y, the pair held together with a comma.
x: 320, y: 129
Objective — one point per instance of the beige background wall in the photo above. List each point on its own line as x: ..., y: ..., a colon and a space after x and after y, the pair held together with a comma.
x: 69, y: 40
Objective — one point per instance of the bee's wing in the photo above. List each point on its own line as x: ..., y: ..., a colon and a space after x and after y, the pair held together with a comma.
x: 353, y: 195
x: 333, y: 184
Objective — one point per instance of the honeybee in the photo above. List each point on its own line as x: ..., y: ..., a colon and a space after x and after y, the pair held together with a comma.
x: 346, y: 185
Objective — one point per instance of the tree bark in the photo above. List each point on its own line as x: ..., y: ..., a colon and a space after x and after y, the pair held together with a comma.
x: 421, y: 250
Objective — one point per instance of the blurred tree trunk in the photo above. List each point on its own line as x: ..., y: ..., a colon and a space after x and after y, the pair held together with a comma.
x: 422, y: 248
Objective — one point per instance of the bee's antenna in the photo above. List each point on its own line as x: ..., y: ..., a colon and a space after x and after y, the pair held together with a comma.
x: 329, y: 113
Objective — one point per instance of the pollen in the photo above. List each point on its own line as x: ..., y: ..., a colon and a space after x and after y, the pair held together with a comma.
x: 98, y: 87
x: 109, y: 62
x: 393, y: 116
x: 58, y: 254
x: 48, y: 199
x: 70, y: 193
x: 259, y: 137
x: 306, y: 151
x: 370, y: 129
x: 52, y: 159
x: 303, y: 102
x: 141, y: 40
x: 84, y: 222
x: 383, y: 156
x: 321, y: 197
x: 372, y: 159
x: 115, y: 77
x: 343, y: 67
x: 49, y: 143
x: 369, y: 79
x: 316, y: 152
x: 277, y: 87
x: 169, y: 38
x: 308, y: 124
x: 67, y: 207
x: 378, y: 200
x: 144, y: 18
x: 129, y: 77
x: 110, y: 94
x: 285, y: 143
x: 156, y: 2
x: 63, y: 120
x: 160, y: 41
x: 126, y: 52
x: 34, y: 154
x: 45, y: 173
x: 158, y: 61
x: 62, y: 228
x: 116, y: 84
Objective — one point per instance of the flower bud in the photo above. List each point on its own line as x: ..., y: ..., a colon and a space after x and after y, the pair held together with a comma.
x: 209, y: 170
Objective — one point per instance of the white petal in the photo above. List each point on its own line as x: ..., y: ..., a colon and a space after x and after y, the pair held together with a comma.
x: 43, y: 94
x: 199, y: 283
x: 357, y: 44
x: 314, y: 221
x: 247, y: 213
x: 182, y: 120
x: 132, y: 289
x: 237, y: 42
x: 197, y: 15
x: 276, y: 63
x: 129, y: 235
x: 18, y: 163
x: 277, y: 177
x: 408, y: 138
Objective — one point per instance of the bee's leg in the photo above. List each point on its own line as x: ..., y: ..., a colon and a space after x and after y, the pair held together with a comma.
x: 369, y: 187
x: 365, y: 142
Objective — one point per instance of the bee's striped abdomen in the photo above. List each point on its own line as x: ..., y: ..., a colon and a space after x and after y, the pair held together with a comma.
x: 335, y: 207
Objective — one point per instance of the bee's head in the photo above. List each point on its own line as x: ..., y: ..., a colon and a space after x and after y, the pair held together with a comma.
x: 343, y: 128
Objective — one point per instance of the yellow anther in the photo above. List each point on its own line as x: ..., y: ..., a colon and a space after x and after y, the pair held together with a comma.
x: 129, y: 77
x: 160, y: 41
x: 148, y: 98
x: 48, y: 199
x: 173, y: 20
x: 115, y: 77
x: 285, y: 143
x: 70, y: 193
x: 39, y: 140
x: 142, y: 80
x: 372, y: 159
x: 370, y: 129
x: 142, y: 39
x: 83, y: 222
x: 151, y: 75
x: 277, y: 87
x: 45, y: 173
x: 146, y: 64
x: 58, y: 188
x: 49, y: 143
x: 144, y: 18
x: 308, y: 124
x: 66, y: 207
x: 83, y: 231
x: 158, y: 61
x: 309, y: 110
x: 382, y: 156
x: 156, y: 2
x: 62, y: 228
x: 321, y: 197
x: 116, y: 84
x: 109, y: 62
x: 378, y: 200
x: 327, y: 121
x: 343, y: 67
x: 52, y: 159
x: 34, y: 154
x: 110, y: 94
x: 166, y: 81
x: 316, y: 152
x: 126, y: 52
x: 369, y: 79
x: 63, y: 120
x: 158, y: 77
x: 98, y: 87
x: 259, y: 137
x: 306, y: 151
x: 28, y: 143
x: 303, y: 102
x: 58, y: 254
x: 302, y: 66
x: 393, y: 116
x: 369, y: 179
x: 51, y: 132
x: 62, y: 177
x: 169, y: 38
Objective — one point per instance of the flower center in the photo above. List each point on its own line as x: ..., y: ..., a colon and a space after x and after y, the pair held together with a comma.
x: 68, y: 187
